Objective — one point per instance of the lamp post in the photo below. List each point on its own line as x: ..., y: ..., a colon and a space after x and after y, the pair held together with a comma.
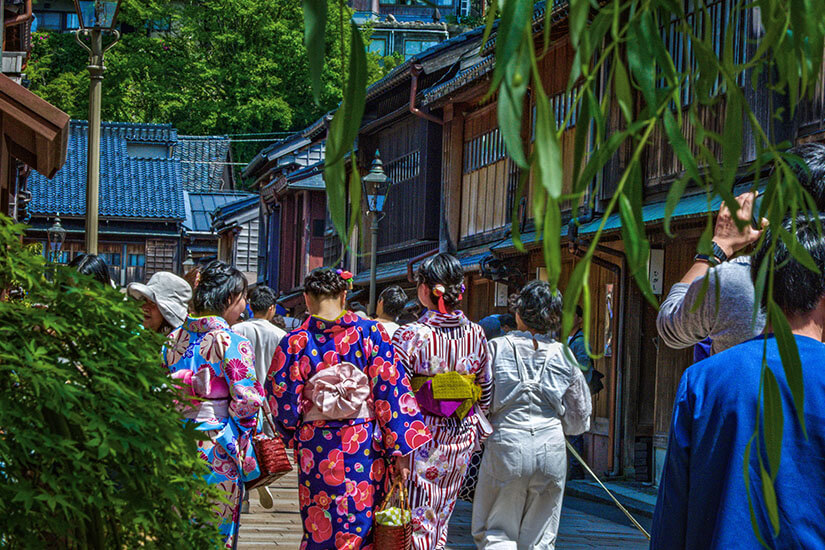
x: 56, y: 235
x: 95, y: 17
x: 376, y: 185
x: 188, y: 263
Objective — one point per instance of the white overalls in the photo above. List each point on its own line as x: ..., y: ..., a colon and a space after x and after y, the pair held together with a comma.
x: 539, y: 395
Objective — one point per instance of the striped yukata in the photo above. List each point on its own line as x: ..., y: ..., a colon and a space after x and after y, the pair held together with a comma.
x: 439, y: 343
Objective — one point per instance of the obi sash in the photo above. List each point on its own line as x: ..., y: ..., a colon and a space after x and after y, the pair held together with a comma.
x: 340, y: 392
x: 207, y: 409
x: 447, y: 393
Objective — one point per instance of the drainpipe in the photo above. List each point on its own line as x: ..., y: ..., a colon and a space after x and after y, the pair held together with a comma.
x: 415, y: 70
x: 620, y: 270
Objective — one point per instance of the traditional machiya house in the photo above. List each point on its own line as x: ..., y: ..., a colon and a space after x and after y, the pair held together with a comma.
x: 409, y: 142
x: 295, y: 230
x: 206, y: 163
x: 236, y: 225
x: 141, y: 199
x: 632, y: 413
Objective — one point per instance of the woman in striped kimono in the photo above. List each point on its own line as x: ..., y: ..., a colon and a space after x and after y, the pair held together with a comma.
x: 446, y: 357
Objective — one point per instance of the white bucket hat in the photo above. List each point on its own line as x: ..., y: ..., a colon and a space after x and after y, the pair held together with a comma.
x: 169, y: 292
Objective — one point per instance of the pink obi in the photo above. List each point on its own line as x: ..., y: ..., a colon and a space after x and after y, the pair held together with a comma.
x: 339, y: 392
x: 202, y: 383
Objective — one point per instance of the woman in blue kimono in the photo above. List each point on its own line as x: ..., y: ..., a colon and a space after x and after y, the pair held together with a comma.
x: 342, y: 403
x: 216, y: 367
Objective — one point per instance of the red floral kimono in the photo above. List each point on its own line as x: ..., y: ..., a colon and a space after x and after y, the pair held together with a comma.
x: 342, y: 471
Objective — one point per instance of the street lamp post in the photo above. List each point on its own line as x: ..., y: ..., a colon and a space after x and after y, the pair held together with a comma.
x: 56, y: 235
x: 95, y: 17
x: 376, y: 185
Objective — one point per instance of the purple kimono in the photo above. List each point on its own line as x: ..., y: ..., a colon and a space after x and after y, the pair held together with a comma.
x: 342, y: 471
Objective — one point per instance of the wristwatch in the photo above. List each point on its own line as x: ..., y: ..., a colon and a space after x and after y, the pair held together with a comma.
x: 718, y: 252
x: 712, y: 260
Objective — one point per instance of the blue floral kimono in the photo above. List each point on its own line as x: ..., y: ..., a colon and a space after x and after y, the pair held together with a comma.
x: 342, y: 471
x: 216, y: 367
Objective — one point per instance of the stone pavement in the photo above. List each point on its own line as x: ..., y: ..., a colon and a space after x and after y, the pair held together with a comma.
x: 584, y: 524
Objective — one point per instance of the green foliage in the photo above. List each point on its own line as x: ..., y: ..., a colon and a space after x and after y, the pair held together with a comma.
x: 93, y: 453
x: 226, y: 67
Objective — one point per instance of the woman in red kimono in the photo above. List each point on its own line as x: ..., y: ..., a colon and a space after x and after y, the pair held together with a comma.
x: 446, y: 357
x: 339, y: 398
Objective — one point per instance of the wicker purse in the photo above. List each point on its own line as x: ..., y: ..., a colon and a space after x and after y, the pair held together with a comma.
x: 272, y: 456
x: 394, y: 537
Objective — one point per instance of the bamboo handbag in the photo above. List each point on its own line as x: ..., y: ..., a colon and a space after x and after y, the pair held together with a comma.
x: 393, y: 521
x: 272, y: 456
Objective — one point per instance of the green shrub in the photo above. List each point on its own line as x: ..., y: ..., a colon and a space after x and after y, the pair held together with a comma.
x: 92, y: 451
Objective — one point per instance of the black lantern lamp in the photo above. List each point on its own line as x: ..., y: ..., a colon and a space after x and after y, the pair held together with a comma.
x: 97, y: 14
x: 57, y: 236
x: 376, y: 185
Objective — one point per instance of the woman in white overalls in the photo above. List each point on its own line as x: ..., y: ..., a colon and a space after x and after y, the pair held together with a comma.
x: 539, y: 396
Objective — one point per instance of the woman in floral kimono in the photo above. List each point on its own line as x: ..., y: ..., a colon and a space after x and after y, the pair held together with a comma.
x: 446, y: 356
x: 216, y: 368
x: 339, y: 399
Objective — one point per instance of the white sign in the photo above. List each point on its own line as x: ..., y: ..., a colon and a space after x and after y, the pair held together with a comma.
x: 502, y: 295
x: 656, y: 270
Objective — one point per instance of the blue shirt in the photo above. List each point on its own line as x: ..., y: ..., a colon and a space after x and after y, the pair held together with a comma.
x: 702, y: 501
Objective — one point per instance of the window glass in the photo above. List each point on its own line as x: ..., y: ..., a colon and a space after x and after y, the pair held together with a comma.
x: 72, y: 22
x: 379, y: 46
x: 48, y: 20
x: 412, y: 47
x: 137, y: 260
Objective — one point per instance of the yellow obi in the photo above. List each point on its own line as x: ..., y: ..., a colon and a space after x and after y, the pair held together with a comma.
x: 447, y: 393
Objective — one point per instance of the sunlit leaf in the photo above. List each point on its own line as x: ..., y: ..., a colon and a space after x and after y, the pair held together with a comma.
x: 769, y: 494
x: 315, y: 22
x: 789, y: 353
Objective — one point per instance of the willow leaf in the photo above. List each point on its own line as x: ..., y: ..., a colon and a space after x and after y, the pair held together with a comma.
x: 551, y: 242
x: 510, y: 106
x: 732, y: 138
x: 789, y: 353
x: 547, y: 149
x: 315, y: 22
x: 747, y: 475
x: 579, y: 9
x: 769, y: 494
x: 773, y: 420
x: 621, y: 85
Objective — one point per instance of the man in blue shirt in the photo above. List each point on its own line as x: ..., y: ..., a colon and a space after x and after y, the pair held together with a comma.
x: 703, y: 500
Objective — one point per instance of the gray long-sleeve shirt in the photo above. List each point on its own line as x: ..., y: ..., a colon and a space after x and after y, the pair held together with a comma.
x: 727, y: 325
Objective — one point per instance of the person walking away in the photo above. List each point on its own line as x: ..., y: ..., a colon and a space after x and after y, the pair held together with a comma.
x: 729, y: 321
x: 340, y: 400
x: 540, y: 395
x: 447, y: 357
x: 216, y: 368
x: 264, y: 337
x: 93, y: 266
x: 703, y: 500
x: 165, y: 301
x: 390, y: 305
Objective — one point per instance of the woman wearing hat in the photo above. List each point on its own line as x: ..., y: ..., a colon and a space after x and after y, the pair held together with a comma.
x: 165, y: 301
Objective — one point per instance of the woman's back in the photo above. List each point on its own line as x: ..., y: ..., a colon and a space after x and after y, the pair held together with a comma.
x: 536, y: 378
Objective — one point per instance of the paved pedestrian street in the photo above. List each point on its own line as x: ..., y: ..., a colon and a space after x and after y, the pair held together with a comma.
x: 584, y: 524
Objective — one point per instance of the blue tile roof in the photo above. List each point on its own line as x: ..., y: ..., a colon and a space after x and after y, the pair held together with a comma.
x: 231, y: 208
x: 201, y: 206
x: 202, y: 161
x: 129, y: 187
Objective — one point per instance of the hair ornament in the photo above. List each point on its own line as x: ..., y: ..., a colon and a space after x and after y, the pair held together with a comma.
x: 439, y: 290
x: 346, y: 275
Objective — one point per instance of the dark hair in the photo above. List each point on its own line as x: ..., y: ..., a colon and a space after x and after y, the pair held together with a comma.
x: 324, y: 281
x: 357, y: 307
x: 410, y: 313
x: 811, y: 172
x: 279, y: 321
x: 579, y: 312
x: 261, y: 298
x: 507, y: 320
x: 445, y: 270
x: 539, y: 307
x: 220, y: 285
x: 796, y: 289
x: 92, y: 265
x: 394, y: 299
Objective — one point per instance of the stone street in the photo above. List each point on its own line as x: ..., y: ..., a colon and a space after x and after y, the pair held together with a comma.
x: 584, y: 524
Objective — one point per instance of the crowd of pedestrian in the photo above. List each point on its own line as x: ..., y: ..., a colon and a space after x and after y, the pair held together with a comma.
x: 411, y: 397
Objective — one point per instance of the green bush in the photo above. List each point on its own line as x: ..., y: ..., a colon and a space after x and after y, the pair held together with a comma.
x: 92, y: 451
